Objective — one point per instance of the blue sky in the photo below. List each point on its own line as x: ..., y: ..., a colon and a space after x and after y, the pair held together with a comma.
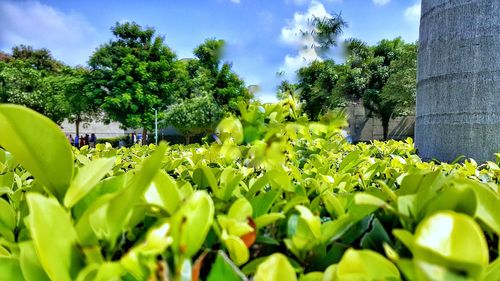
x: 261, y: 35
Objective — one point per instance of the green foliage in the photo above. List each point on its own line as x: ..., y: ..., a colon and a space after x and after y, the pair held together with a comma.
x: 279, y: 198
x: 132, y: 75
x: 318, y: 84
x: 382, y: 76
x: 194, y: 116
x: 21, y: 83
x: 210, y: 90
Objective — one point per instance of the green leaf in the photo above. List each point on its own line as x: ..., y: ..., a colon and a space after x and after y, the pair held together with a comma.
x: 312, y: 276
x: 7, y: 215
x: 313, y: 222
x: 119, y: 208
x: 370, y: 200
x: 365, y: 265
x: 257, y: 185
x: 332, y: 204
x: 164, y: 192
x: 224, y: 269
x: 452, y: 240
x: 191, y: 223
x: 493, y: 271
x: 237, y: 249
x: 49, y: 223
x: 86, y: 178
x: 275, y: 268
x: 10, y: 269
x: 230, y: 127
x: 263, y: 202
x: 39, y: 145
x: 267, y: 219
x: 240, y: 210
x: 30, y: 265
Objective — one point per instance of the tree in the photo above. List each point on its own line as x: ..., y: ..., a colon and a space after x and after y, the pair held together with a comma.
x: 198, y: 115
x: 401, y: 87
x: 72, y: 84
x: 133, y: 75
x: 39, y: 59
x: 217, y: 78
x: 317, y: 85
x: 23, y: 82
x: 210, y: 89
x: 323, y: 33
x: 385, y: 63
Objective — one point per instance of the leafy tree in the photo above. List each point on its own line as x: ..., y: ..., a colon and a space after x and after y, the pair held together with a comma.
x: 132, y: 75
x: 72, y: 85
x: 324, y: 33
x: 25, y: 80
x: 198, y: 115
x: 401, y: 88
x: 388, y: 56
x: 209, y: 54
x: 211, y: 76
x: 209, y: 90
x: 39, y: 59
x: 318, y: 87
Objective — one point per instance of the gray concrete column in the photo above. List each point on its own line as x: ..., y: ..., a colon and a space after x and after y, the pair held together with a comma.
x: 458, y: 90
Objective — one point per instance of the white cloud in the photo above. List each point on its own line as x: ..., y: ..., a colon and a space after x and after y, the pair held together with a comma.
x: 412, y: 13
x: 297, y: 2
x: 292, y: 34
x: 235, y: 1
x: 69, y: 36
x: 381, y: 2
x: 303, y: 2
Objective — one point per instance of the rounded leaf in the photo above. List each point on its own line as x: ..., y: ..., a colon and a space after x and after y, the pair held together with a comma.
x: 39, y: 145
x: 451, y: 239
x: 231, y: 127
x: 365, y: 265
x: 275, y: 268
x: 191, y: 223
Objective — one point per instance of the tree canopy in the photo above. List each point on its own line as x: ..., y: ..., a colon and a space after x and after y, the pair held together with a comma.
x: 382, y: 77
x: 211, y: 89
x: 132, y: 75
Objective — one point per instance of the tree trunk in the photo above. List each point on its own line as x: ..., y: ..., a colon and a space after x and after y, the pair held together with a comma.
x: 77, y: 126
x: 188, y: 139
x: 144, y: 136
x: 385, y: 127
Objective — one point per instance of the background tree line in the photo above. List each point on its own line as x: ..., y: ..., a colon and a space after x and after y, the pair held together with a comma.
x: 381, y: 77
x: 136, y: 73
x: 126, y: 80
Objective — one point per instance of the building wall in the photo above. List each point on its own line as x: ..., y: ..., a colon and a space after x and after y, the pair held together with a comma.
x: 100, y: 129
x: 362, y: 128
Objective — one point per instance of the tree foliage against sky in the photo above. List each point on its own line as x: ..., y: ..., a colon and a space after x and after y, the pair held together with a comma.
x: 133, y: 75
x: 382, y: 77
x: 136, y: 73
x: 211, y: 90
x: 27, y: 78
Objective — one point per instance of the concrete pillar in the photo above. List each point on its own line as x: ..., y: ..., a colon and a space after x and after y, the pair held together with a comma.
x: 458, y: 90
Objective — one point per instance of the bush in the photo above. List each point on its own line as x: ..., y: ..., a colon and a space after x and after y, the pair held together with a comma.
x: 297, y: 203
x: 114, y: 141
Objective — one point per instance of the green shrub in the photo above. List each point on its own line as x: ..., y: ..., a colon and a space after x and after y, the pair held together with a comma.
x: 276, y: 199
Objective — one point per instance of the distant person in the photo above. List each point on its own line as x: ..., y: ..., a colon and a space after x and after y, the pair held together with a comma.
x: 82, y: 141
x: 139, y: 138
x: 76, y: 143
x: 70, y: 139
x: 87, y: 139
x: 134, y: 139
x: 93, y: 140
x: 128, y: 139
